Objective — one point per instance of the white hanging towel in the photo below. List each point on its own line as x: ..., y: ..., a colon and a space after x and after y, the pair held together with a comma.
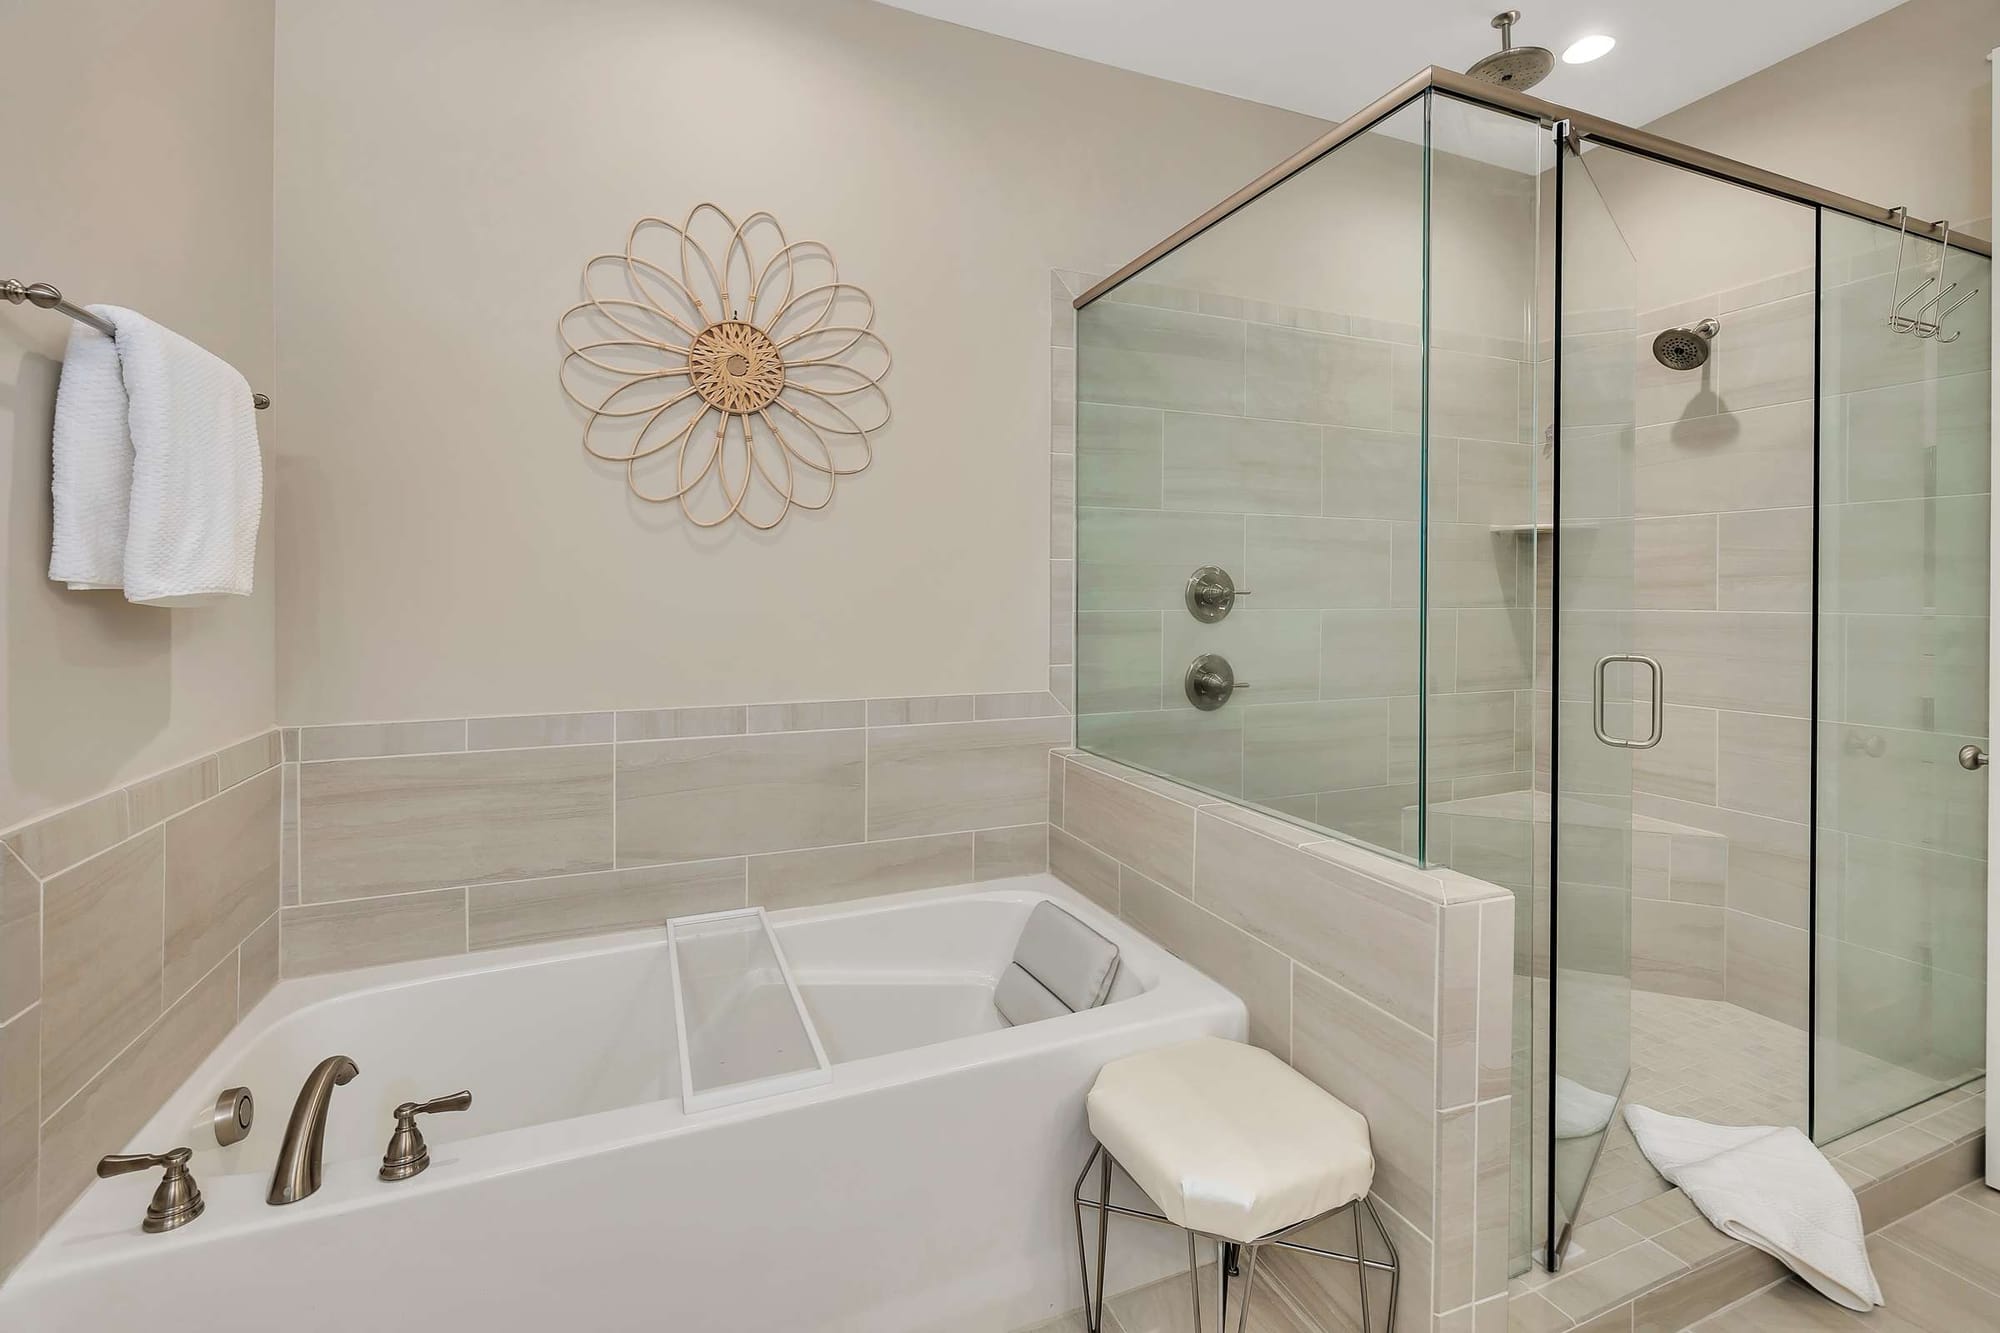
x: 1768, y: 1186
x: 91, y: 475
x: 158, y: 480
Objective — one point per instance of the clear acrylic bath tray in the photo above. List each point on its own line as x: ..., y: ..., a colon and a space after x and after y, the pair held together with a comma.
x: 744, y: 1031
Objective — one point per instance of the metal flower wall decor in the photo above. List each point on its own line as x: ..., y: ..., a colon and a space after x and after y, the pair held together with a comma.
x: 728, y: 368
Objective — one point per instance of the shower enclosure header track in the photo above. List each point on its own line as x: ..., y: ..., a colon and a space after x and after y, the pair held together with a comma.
x: 1583, y: 125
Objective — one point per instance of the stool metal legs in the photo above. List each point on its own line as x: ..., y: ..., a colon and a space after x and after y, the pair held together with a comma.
x: 1093, y: 1312
x: 1226, y: 1251
x: 1360, y: 1272
x: 1249, y: 1285
x: 1194, y: 1281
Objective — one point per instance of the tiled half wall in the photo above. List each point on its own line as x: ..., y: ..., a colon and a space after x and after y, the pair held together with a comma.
x: 135, y: 929
x: 1386, y: 985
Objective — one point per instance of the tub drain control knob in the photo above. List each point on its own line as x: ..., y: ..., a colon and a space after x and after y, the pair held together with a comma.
x: 408, y: 1154
x: 235, y: 1109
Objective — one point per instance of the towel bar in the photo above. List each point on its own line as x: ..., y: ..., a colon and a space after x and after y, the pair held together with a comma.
x: 48, y: 298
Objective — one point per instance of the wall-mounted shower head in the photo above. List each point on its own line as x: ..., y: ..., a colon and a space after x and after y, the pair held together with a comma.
x: 1685, y: 349
x: 1516, y: 67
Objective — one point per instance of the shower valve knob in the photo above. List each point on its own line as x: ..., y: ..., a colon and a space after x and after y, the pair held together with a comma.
x: 1210, y: 681
x: 1211, y: 594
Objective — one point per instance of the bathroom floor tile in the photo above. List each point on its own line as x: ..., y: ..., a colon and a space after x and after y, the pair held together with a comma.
x: 1949, y: 1287
x: 1163, y: 1307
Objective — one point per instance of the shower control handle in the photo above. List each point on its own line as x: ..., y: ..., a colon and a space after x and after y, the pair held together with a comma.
x: 1210, y: 594
x: 1210, y: 681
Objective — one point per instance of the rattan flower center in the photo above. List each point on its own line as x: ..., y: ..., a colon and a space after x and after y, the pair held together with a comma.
x: 736, y: 367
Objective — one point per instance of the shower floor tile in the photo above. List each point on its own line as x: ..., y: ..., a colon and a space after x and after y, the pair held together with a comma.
x: 1936, y: 1267
x: 1163, y: 1307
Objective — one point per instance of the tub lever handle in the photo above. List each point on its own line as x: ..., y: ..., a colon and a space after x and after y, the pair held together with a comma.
x: 408, y: 1154
x: 177, y: 1201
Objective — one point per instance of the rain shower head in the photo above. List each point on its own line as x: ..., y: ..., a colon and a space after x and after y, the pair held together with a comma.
x: 1516, y: 67
x: 1685, y: 349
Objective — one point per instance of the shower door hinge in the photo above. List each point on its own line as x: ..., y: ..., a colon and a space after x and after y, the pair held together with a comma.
x: 1566, y: 136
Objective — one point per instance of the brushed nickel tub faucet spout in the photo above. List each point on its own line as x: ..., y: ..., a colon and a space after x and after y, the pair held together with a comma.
x: 299, y: 1160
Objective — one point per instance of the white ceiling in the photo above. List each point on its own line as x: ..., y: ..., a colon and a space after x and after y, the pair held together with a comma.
x: 1329, y: 58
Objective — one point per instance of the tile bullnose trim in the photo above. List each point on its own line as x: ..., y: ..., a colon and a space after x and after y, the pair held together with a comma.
x: 326, y: 742
x: 1432, y: 885
x: 60, y: 840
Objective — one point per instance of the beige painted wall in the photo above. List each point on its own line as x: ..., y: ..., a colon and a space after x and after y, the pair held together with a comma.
x: 444, y: 170
x: 1895, y: 111
x: 138, y: 148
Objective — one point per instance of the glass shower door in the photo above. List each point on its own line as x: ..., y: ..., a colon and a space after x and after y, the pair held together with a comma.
x: 1905, y: 493
x: 1605, y: 693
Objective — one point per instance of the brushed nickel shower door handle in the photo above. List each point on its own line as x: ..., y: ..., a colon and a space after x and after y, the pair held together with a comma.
x: 1597, y: 721
x: 1971, y: 758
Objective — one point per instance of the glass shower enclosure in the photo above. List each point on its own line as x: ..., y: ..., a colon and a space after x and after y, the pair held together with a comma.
x: 1507, y: 491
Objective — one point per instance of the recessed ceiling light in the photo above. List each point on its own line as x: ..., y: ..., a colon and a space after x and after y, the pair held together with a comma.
x: 1586, y: 49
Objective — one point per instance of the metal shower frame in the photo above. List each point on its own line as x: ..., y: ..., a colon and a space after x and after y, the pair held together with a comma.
x: 1583, y: 126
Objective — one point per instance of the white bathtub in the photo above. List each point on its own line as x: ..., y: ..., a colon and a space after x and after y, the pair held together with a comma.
x: 924, y: 1188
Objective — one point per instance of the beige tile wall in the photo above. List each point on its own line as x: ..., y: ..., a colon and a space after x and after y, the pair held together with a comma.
x: 135, y: 929
x: 414, y: 839
x: 1388, y: 986
x: 1280, y: 444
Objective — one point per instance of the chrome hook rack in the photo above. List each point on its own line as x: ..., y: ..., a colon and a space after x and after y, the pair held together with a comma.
x: 1924, y: 324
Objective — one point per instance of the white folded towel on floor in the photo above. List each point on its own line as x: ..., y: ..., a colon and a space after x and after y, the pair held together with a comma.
x: 158, y: 482
x: 1768, y: 1186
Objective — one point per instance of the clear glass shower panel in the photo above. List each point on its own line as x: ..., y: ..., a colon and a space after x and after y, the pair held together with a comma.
x: 1599, y: 677
x: 1484, y: 457
x: 1905, y: 496
x: 1249, y: 488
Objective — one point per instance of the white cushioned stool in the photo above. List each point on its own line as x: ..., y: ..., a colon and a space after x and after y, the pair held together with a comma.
x: 1232, y: 1145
